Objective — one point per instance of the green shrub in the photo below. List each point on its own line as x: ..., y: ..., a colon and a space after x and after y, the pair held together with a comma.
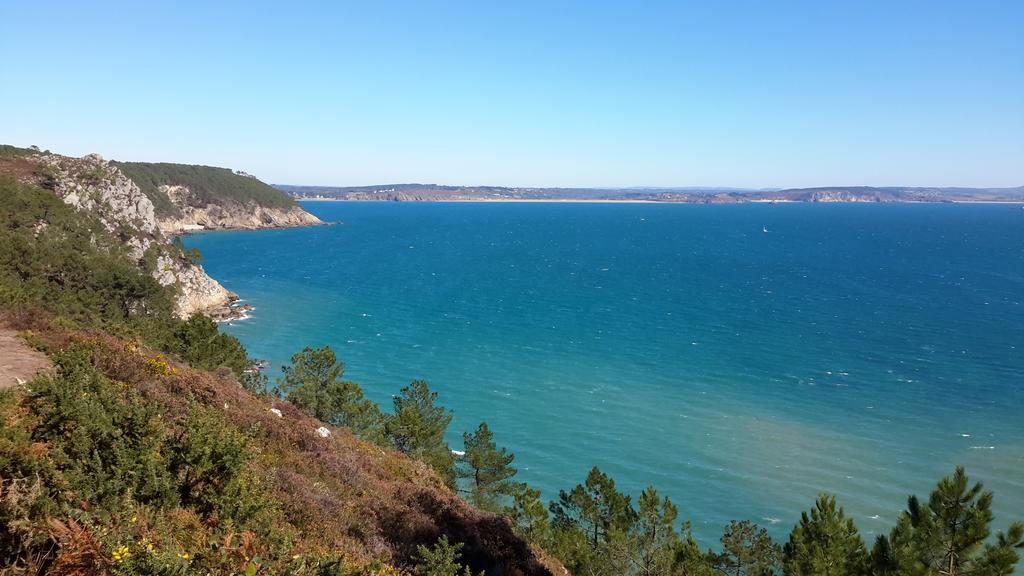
x: 199, y: 342
x: 210, y: 459
x: 441, y: 559
x: 255, y: 382
x: 193, y: 255
x: 107, y: 442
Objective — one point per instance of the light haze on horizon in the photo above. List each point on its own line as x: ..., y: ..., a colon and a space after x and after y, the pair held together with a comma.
x: 589, y: 94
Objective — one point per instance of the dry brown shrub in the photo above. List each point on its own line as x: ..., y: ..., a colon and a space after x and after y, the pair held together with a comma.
x: 80, y: 554
x: 26, y: 318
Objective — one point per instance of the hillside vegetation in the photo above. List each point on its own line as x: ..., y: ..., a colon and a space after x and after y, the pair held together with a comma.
x: 8, y: 151
x: 208, y: 185
x: 57, y: 258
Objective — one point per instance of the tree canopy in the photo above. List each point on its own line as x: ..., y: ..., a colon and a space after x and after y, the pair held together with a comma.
x: 486, y: 469
x: 314, y: 383
x: 825, y: 543
x: 418, y: 426
x: 949, y: 535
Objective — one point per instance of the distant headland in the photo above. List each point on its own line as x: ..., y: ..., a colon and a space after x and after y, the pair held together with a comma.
x: 692, y: 195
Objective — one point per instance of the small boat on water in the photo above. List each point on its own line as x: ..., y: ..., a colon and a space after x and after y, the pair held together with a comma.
x: 764, y: 229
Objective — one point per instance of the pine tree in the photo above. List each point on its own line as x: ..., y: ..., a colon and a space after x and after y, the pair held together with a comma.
x: 528, y: 515
x: 595, y: 507
x: 418, y: 426
x: 689, y: 560
x: 314, y: 384
x: 590, y: 527
x: 654, y: 542
x: 486, y: 468
x: 947, y: 535
x: 307, y: 381
x: 882, y: 560
x: 747, y: 550
x: 825, y: 543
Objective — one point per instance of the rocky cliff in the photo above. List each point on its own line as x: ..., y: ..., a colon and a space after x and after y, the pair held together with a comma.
x: 194, y: 214
x: 94, y: 185
x: 193, y: 197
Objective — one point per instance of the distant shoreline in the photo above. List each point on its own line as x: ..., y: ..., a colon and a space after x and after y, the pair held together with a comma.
x: 629, y: 201
x: 688, y: 195
x: 499, y: 200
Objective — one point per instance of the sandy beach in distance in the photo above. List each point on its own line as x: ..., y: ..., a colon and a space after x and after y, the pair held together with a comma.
x: 507, y: 200
x: 628, y: 201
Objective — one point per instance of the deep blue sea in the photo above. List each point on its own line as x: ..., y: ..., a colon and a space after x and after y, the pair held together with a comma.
x: 863, y: 350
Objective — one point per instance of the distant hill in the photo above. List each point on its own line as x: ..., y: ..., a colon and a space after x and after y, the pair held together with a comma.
x: 901, y: 194
x: 435, y: 192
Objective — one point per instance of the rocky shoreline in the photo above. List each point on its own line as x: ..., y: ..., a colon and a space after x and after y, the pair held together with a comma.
x: 230, y: 216
x: 233, y: 310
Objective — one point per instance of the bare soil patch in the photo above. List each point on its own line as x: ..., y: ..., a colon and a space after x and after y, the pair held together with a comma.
x: 19, y: 362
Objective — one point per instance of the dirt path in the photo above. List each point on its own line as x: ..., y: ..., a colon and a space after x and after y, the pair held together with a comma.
x: 18, y: 361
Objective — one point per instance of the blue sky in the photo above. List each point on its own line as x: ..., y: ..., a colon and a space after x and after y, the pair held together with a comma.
x: 709, y: 93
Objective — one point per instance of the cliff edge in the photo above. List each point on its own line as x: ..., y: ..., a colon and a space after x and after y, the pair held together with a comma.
x: 189, y: 197
x: 194, y: 198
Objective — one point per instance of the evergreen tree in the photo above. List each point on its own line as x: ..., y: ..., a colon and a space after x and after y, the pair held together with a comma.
x: 689, y: 560
x: 825, y: 543
x: 1000, y: 558
x: 528, y: 515
x: 306, y: 383
x: 596, y: 508
x: 486, y: 468
x: 947, y: 535
x: 747, y: 550
x: 882, y: 560
x: 314, y: 384
x: 418, y: 426
x: 590, y: 527
x: 654, y: 542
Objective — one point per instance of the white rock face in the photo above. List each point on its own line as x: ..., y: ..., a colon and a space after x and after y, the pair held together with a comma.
x: 197, y: 291
x: 92, y: 184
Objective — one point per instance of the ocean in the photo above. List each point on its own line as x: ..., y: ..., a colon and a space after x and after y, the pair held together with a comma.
x: 740, y: 358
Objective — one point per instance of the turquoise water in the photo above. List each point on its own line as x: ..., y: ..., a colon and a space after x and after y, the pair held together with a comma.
x: 860, y: 349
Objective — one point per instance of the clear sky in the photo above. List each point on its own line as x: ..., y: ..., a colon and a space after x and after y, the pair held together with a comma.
x: 761, y: 93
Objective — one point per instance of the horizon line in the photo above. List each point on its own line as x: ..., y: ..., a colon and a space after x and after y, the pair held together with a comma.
x: 668, y: 188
